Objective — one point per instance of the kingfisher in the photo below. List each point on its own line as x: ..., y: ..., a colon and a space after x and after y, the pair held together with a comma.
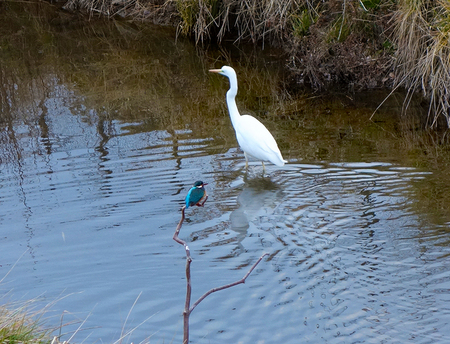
x: 196, y: 195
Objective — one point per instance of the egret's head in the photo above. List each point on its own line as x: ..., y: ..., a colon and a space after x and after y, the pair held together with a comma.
x: 225, y: 71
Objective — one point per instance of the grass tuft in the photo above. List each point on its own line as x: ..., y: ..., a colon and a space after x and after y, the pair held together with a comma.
x: 422, y: 40
x: 21, y: 324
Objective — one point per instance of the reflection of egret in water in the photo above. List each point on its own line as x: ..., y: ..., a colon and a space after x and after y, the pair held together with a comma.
x: 259, y: 197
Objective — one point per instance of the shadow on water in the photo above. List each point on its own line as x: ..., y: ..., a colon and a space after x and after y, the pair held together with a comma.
x: 106, y: 124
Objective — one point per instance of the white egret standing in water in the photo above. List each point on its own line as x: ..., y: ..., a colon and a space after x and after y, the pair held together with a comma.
x: 253, y: 137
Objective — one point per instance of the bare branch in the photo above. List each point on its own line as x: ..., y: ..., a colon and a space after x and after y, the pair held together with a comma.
x: 178, y: 240
x: 187, y: 309
x: 241, y: 281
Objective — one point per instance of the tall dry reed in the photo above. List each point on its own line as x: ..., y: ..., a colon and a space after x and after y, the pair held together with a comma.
x: 251, y: 20
x: 422, y: 39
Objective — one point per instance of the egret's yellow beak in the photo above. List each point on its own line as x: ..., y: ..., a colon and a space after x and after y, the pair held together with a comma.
x: 215, y: 70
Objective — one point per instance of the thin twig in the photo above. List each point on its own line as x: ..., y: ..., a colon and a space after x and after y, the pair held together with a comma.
x: 12, y: 267
x: 133, y: 329
x: 187, y: 312
x: 213, y: 290
x: 128, y: 315
x: 392, y: 92
x: 342, y: 23
x: 79, y: 327
x: 187, y: 309
x: 178, y: 240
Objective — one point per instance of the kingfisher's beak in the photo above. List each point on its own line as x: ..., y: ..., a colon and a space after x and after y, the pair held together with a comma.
x: 215, y: 70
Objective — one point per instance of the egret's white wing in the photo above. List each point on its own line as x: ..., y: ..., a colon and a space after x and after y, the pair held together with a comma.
x: 254, y: 139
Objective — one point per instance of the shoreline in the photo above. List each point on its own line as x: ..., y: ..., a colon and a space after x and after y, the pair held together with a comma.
x: 353, y: 45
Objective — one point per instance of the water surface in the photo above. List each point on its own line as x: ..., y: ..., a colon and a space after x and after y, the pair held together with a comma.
x: 99, y: 150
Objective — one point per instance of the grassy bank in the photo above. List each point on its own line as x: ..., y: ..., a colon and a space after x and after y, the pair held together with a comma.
x: 362, y: 44
x: 21, y: 324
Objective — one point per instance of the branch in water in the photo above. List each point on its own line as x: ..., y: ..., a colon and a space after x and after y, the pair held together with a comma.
x: 187, y: 309
x: 213, y: 290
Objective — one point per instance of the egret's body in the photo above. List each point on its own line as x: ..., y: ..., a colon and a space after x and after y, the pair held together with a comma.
x: 196, y: 195
x: 253, y: 137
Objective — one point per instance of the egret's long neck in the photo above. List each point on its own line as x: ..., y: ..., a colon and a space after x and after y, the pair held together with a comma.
x: 231, y: 101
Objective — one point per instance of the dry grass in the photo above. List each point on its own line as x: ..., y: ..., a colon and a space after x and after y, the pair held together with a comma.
x: 25, y: 323
x: 344, y: 43
x: 149, y: 10
x: 21, y: 323
x: 250, y: 20
x: 423, y: 48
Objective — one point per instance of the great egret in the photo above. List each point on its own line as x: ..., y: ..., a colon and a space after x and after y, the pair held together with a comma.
x: 196, y: 195
x: 253, y: 137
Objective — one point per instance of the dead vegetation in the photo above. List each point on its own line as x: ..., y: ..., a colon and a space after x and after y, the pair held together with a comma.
x: 21, y: 323
x: 422, y: 38
x: 362, y: 44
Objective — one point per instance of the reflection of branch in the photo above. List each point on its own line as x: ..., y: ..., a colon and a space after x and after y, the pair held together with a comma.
x: 187, y: 309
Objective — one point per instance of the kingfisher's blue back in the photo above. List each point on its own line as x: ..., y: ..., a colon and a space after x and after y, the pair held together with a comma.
x: 196, y: 194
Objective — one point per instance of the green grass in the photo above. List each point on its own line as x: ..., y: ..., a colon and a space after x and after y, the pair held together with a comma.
x: 21, y: 324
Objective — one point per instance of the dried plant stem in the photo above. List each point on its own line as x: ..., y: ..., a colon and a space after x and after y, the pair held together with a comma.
x: 422, y: 31
x: 343, y: 19
x: 213, y: 290
x: 187, y: 309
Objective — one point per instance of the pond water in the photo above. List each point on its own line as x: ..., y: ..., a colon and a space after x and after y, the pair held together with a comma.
x: 105, y: 126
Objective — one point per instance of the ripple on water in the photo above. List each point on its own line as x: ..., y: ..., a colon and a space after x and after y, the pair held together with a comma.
x: 349, y: 261
x: 350, y: 232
